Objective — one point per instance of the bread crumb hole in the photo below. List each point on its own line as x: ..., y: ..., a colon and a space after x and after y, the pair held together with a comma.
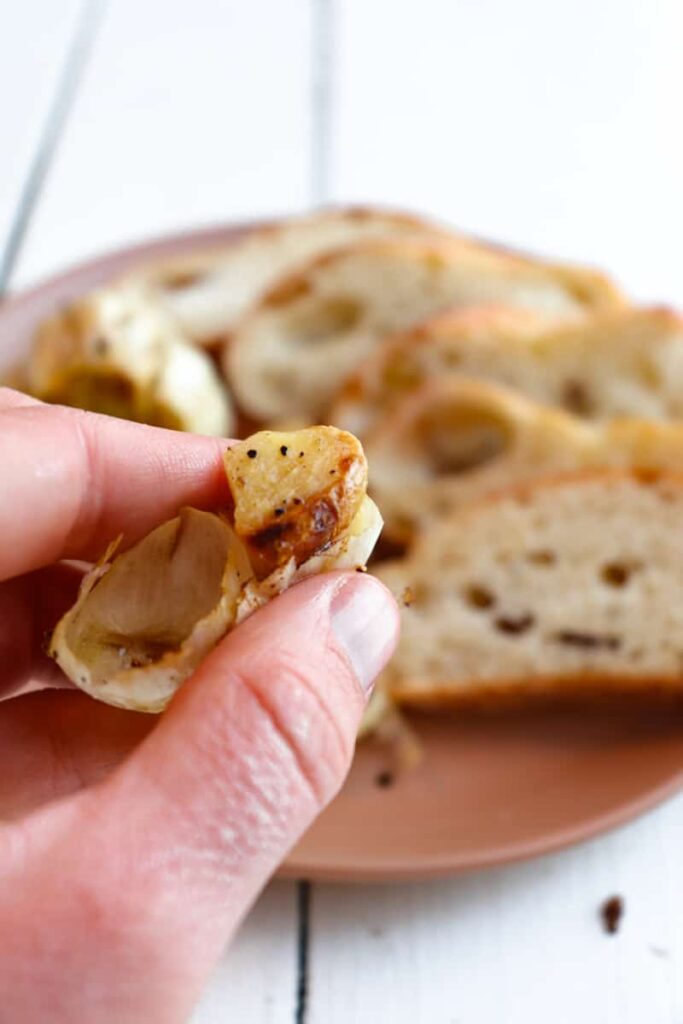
x: 459, y: 439
x: 402, y: 374
x: 404, y: 526
x: 587, y: 641
x: 650, y: 376
x: 325, y: 319
x: 576, y: 399
x: 615, y: 574
x: 178, y: 280
x: 514, y: 626
x: 542, y: 557
x: 479, y: 597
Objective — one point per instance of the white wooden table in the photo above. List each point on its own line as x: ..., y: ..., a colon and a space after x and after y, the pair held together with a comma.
x: 552, y: 125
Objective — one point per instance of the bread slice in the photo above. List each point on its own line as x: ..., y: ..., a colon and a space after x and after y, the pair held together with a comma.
x: 570, y: 587
x: 455, y: 440
x: 293, y: 351
x: 210, y: 290
x: 622, y: 362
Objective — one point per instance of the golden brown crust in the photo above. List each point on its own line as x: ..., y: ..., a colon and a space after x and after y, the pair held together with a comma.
x: 504, y: 694
x: 589, y: 287
x: 289, y: 289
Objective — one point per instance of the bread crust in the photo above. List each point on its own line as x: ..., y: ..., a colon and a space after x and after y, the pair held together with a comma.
x: 585, y: 688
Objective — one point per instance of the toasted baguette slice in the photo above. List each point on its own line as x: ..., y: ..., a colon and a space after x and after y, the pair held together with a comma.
x: 116, y: 351
x: 293, y: 351
x: 623, y: 362
x: 455, y: 440
x: 570, y: 587
x: 210, y: 290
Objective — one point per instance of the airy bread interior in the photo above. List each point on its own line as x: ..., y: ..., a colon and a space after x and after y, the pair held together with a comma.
x: 457, y: 439
x: 573, y: 584
x: 295, y: 348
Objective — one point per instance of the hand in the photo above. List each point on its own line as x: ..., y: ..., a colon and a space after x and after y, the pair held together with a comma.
x: 133, y: 845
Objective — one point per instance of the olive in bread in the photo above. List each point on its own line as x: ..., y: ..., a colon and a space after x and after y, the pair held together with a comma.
x: 456, y: 439
x: 568, y: 587
x: 294, y: 349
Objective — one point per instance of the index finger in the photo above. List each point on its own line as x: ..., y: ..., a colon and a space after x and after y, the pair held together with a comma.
x: 71, y: 481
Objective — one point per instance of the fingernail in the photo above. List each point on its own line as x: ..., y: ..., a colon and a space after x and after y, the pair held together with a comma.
x: 364, y: 622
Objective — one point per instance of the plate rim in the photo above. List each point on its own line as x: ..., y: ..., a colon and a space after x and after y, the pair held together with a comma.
x: 439, y: 868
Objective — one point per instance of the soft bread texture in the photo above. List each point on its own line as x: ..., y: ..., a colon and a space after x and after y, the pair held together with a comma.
x: 626, y: 362
x: 209, y: 291
x: 455, y: 440
x: 571, y: 587
x: 144, y: 619
x: 117, y: 352
x: 293, y: 351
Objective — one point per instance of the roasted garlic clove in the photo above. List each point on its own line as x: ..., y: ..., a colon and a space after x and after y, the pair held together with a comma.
x: 294, y: 492
x: 118, y: 352
x: 145, y: 619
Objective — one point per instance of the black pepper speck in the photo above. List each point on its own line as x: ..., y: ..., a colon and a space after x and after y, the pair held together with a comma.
x: 611, y: 912
x: 283, y: 449
x: 252, y: 453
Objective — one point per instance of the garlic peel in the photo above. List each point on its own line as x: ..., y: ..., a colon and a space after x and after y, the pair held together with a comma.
x: 146, y: 618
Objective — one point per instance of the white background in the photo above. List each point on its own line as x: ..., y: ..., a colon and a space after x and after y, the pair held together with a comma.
x: 552, y: 125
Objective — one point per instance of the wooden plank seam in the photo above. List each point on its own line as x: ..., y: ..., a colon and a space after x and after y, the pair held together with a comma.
x: 58, y: 112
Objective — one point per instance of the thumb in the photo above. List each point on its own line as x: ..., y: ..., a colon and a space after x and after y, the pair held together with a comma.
x: 170, y: 851
x: 260, y: 740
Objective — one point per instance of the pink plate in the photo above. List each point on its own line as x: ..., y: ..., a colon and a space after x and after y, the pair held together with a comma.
x: 488, y: 790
